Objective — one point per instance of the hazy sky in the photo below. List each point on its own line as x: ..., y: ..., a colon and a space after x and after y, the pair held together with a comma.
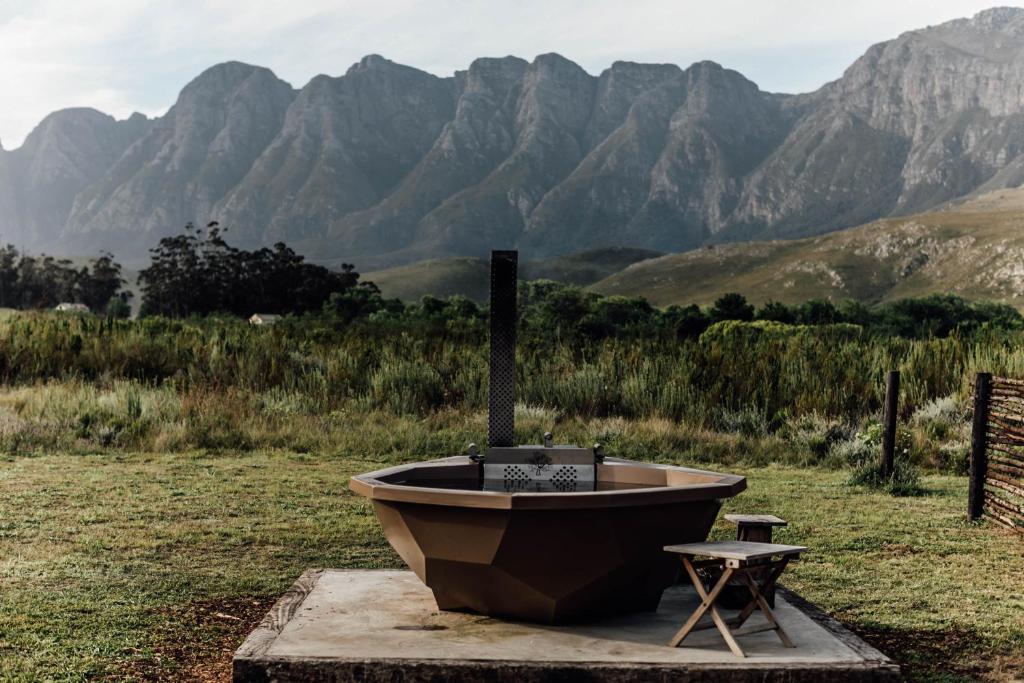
x: 135, y: 55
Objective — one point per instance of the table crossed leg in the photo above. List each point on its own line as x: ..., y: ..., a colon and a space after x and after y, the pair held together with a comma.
x: 772, y: 572
x: 773, y: 624
x: 707, y: 604
x: 757, y: 602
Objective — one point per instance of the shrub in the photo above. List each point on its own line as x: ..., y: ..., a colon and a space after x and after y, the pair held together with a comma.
x: 905, y: 479
x: 747, y: 422
x: 815, y: 435
x: 954, y: 457
x: 940, y: 417
x: 851, y: 453
x: 406, y: 387
x: 871, y: 435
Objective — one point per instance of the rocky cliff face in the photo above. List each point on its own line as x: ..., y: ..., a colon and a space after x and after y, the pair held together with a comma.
x: 186, y: 163
x: 916, y: 121
x: 344, y: 146
x: 61, y: 158
x: 388, y: 164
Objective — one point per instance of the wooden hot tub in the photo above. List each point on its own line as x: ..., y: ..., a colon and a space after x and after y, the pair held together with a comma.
x: 570, y: 553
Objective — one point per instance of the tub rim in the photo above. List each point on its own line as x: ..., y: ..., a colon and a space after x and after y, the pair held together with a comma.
x: 372, y: 485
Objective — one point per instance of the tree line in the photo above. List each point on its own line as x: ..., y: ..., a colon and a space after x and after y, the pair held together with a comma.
x: 554, y: 311
x: 43, y: 281
x: 198, y: 273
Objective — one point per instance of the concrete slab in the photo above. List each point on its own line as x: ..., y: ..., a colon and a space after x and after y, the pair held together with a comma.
x: 338, y: 625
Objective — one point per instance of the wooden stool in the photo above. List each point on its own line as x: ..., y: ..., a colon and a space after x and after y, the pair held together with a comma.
x: 738, y: 559
x: 756, y: 528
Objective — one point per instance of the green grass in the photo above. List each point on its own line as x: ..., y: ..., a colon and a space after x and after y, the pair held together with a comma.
x: 152, y: 565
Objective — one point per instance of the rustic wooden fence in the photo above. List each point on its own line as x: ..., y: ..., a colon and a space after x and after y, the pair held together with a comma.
x: 997, y: 451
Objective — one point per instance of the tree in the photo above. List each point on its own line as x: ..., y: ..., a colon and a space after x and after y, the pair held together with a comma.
x: 776, y: 312
x: 99, y: 285
x: 357, y: 302
x: 198, y: 273
x: 732, y: 306
x: 42, y: 281
x: 817, y: 312
x: 613, y: 315
x: 685, y: 322
x: 174, y: 283
x: 852, y: 311
x: 118, y: 307
x: 553, y: 309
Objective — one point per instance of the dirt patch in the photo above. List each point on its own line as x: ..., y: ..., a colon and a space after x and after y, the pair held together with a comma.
x: 950, y: 654
x: 897, y: 549
x: 197, y: 640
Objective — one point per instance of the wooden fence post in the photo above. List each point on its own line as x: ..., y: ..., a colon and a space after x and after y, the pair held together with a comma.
x: 892, y: 393
x: 979, y: 462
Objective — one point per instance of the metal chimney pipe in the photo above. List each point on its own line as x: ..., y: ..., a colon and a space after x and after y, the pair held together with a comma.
x: 501, y: 419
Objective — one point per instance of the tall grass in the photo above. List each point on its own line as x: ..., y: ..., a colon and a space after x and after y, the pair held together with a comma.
x: 730, y: 368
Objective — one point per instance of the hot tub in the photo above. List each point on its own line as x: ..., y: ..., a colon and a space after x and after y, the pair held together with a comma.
x: 542, y: 533
x: 553, y: 552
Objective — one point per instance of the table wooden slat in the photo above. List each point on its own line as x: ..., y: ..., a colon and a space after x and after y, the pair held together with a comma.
x: 766, y: 520
x: 735, y: 550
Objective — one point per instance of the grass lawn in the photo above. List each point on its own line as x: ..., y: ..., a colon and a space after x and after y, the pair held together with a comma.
x: 142, y: 566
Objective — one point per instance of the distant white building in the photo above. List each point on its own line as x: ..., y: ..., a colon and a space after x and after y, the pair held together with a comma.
x: 264, y: 319
x: 72, y: 308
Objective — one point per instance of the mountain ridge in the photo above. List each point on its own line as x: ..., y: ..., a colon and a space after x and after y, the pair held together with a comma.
x: 387, y: 164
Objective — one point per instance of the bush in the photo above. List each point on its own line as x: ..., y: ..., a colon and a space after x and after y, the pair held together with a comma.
x: 905, y: 479
x: 851, y: 453
x: 940, y: 417
x: 871, y: 435
x: 815, y: 435
x: 747, y: 422
x: 954, y: 457
x: 406, y: 387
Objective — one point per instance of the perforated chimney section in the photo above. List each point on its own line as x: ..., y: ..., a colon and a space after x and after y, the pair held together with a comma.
x: 502, y: 392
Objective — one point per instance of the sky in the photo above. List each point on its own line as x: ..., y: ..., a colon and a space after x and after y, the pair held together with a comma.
x: 136, y: 55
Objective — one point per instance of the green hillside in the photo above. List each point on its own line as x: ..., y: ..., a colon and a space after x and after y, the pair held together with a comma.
x: 470, y: 276
x: 586, y: 268
x: 975, y: 250
x: 439, y: 277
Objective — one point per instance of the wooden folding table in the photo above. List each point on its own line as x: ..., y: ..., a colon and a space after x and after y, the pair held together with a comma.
x: 743, y: 560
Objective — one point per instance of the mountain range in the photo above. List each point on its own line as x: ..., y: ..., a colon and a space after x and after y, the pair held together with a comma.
x: 387, y: 164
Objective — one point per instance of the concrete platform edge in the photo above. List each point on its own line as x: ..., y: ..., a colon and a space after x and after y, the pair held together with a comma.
x: 251, y: 664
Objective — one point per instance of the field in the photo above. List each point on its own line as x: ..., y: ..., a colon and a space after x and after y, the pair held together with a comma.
x: 162, y: 482
x: 154, y: 566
